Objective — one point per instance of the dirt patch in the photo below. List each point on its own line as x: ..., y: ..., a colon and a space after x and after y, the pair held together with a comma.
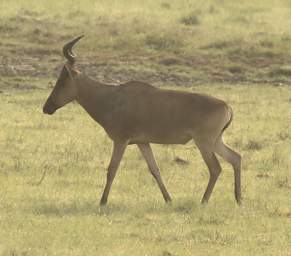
x: 223, y: 44
x: 235, y: 69
x: 280, y: 71
x: 170, y: 61
x: 236, y: 66
x: 180, y: 161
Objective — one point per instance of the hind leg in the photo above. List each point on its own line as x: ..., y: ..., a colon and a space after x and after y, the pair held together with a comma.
x: 234, y: 159
x: 213, y: 167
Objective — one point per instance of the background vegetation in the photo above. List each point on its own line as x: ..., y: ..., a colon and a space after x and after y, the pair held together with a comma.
x: 179, y: 42
x: 52, y: 169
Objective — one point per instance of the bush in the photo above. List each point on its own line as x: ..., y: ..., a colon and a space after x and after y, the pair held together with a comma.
x: 162, y: 42
x: 190, y: 20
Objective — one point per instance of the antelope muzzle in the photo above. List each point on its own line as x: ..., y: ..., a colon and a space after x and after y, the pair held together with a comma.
x: 49, y: 107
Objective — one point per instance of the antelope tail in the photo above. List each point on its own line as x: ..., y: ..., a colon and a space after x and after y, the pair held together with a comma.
x: 230, y: 119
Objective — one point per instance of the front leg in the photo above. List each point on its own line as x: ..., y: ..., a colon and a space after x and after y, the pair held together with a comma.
x: 118, y: 150
x: 148, y: 155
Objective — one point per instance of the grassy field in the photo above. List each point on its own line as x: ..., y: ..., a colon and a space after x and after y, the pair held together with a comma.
x: 53, y: 169
x: 179, y: 42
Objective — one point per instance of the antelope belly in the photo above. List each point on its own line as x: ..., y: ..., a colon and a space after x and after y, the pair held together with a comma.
x: 178, y: 139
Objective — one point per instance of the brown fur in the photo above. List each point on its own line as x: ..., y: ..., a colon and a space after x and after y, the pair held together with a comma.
x: 138, y: 113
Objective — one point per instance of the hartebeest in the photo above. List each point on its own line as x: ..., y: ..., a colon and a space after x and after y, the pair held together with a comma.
x: 139, y: 113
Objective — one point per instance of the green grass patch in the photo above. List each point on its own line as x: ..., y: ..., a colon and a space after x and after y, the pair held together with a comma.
x: 53, y: 170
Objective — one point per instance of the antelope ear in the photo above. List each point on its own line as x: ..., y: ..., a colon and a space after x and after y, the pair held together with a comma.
x: 72, y: 71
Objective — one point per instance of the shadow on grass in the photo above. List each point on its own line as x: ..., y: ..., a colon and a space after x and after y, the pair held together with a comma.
x: 55, y: 209
x: 87, y: 208
x: 178, y: 205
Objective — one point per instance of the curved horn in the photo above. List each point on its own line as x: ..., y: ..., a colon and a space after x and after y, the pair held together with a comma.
x: 67, y: 50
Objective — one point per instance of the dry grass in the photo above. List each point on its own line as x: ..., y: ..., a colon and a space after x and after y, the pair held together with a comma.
x: 219, y: 42
x: 52, y: 170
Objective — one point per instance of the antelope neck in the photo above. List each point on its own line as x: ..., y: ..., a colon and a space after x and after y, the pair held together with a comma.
x: 94, y: 97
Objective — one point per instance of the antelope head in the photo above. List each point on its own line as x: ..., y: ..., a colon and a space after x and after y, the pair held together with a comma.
x: 65, y: 89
